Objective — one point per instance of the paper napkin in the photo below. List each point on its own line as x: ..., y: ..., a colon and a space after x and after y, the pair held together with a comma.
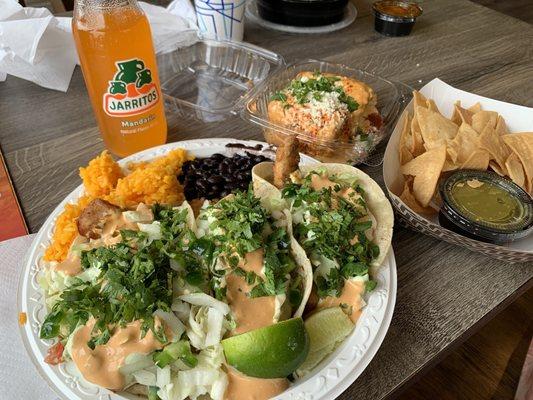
x: 37, y: 46
x: 19, y: 379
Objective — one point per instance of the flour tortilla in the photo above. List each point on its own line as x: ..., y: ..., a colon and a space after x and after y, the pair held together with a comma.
x: 378, y: 204
x: 272, y: 202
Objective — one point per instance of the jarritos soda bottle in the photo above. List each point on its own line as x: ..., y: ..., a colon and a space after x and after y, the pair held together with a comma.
x: 117, y: 58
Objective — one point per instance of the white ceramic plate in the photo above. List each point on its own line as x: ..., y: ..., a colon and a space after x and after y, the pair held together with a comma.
x: 330, y: 378
x: 350, y: 13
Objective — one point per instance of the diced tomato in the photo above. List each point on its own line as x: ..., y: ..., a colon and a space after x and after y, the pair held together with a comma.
x: 375, y: 120
x: 55, y: 354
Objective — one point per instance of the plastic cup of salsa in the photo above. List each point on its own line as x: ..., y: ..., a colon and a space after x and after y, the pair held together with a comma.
x: 395, y: 18
x: 485, y: 206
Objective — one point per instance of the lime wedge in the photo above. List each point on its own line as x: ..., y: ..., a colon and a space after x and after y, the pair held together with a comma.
x: 327, y: 329
x: 274, y: 351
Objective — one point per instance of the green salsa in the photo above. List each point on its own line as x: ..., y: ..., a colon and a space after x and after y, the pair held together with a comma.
x: 482, y: 201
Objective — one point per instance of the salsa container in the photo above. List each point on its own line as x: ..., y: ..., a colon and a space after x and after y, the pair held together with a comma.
x: 392, y: 24
x: 327, y: 381
x: 212, y: 80
x: 518, y: 118
x: 454, y: 217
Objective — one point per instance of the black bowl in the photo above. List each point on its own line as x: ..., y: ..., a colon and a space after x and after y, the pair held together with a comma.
x: 302, y: 12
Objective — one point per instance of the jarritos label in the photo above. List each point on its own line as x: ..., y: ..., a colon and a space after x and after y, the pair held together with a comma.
x: 131, y: 91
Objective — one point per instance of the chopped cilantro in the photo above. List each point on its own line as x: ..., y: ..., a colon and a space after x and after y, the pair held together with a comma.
x: 135, y: 280
x: 333, y: 227
x: 241, y: 219
x: 280, y: 96
x: 305, y: 89
x: 370, y: 285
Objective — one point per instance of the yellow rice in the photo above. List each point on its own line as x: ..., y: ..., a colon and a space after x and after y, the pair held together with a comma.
x: 148, y: 182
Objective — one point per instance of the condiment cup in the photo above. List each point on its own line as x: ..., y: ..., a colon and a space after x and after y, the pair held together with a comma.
x: 395, y: 18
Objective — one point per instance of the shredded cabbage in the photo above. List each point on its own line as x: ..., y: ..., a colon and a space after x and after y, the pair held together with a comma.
x: 206, y: 378
x: 153, y: 230
x: 181, y: 309
x: 324, y: 265
x: 136, y: 216
x: 173, y: 322
x: 53, y: 281
x: 145, y: 377
x: 136, y: 362
x: 202, y: 299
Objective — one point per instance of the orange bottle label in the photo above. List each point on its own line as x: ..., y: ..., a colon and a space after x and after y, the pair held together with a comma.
x: 131, y: 91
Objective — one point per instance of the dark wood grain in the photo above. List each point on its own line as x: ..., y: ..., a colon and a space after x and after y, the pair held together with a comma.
x: 445, y: 292
x: 502, y: 344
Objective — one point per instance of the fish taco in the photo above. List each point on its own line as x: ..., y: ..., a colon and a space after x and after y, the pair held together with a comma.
x: 259, y: 269
x: 342, y: 220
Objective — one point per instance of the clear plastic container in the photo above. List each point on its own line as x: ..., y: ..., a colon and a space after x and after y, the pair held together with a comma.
x: 213, y: 79
x: 391, y: 98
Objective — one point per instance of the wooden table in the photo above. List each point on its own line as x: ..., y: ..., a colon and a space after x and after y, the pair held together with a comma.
x: 445, y: 293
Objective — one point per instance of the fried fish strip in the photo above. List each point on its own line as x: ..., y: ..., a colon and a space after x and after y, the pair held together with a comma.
x: 287, y: 160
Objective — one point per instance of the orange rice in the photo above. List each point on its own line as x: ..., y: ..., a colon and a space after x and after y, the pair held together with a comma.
x: 101, y: 175
x: 148, y: 182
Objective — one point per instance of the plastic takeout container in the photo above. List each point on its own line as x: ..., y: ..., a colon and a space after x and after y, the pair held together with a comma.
x: 212, y: 80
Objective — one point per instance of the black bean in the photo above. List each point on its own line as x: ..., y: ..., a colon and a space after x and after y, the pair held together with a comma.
x: 215, y: 179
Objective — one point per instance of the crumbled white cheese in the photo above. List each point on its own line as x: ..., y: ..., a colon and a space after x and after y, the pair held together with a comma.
x: 327, y: 105
x: 304, y: 79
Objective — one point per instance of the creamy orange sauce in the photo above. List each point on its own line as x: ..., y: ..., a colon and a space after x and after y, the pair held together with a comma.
x: 242, y: 387
x: 249, y: 313
x: 71, y: 266
x: 109, y: 236
x: 101, y: 365
x: 319, y: 182
x: 115, y: 224
x: 349, y: 300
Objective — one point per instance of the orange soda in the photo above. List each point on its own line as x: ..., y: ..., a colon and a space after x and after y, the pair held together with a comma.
x: 117, y: 57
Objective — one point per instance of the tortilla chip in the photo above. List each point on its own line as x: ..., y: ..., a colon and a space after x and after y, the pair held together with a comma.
x: 501, y: 127
x: 522, y: 145
x: 479, y: 159
x: 410, y: 201
x: 426, y: 169
x: 417, y: 146
x: 432, y: 106
x: 475, y: 108
x: 491, y: 141
x: 435, y: 128
x: 405, y: 140
x: 419, y: 100
x: 516, y: 170
x: 496, y: 168
x: 482, y: 118
x: 461, y: 115
x: 449, y: 166
x: 464, y: 144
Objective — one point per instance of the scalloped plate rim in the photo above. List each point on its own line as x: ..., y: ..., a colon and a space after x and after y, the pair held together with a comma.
x: 324, y: 374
